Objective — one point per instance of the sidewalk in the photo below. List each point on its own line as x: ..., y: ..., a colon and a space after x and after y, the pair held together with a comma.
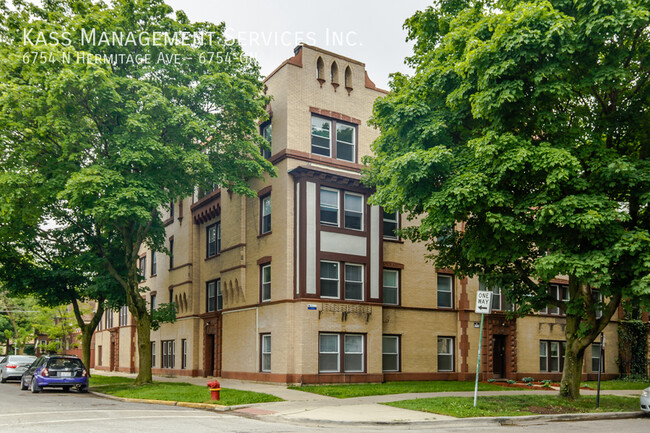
x: 302, y: 406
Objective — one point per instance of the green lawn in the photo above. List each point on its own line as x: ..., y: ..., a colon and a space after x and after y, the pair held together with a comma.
x: 174, y: 391
x: 617, y: 384
x: 366, y: 389
x: 515, y: 405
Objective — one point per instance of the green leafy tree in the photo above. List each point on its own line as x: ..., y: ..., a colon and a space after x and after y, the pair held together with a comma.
x: 528, y: 123
x: 117, y: 140
x: 19, y: 312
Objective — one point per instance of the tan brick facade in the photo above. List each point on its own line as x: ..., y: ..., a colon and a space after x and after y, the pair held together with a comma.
x: 304, y: 315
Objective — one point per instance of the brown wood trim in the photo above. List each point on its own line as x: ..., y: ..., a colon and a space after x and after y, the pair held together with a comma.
x: 175, y: 268
x: 446, y: 271
x: 233, y: 268
x: 211, y: 196
x: 264, y: 234
x: 338, y: 257
x: 353, y: 232
x: 317, y: 159
x: 264, y: 260
x: 296, y: 60
x: 264, y: 191
x: 334, y: 115
x: 168, y: 221
x: 393, y: 265
x: 171, y: 286
x: 562, y: 281
x: 395, y: 241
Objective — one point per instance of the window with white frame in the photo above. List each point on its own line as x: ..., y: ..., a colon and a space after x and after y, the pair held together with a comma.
x: 265, y: 223
x: 496, y: 295
x: 143, y: 266
x: 153, y: 353
x: 213, y: 239
x: 559, y: 292
x: 551, y: 355
x: 445, y: 291
x: 184, y: 353
x: 390, y: 353
x: 266, y: 132
x: 333, y: 138
x: 214, y: 300
x: 329, y: 279
x: 597, y: 300
x: 154, y: 264
x: 445, y: 354
x: 168, y: 353
x: 390, y: 225
x: 108, y: 319
x: 353, y: 282
x: 152, y: 302
x: 329, y: 206
x: 265, y: 281
x: 391, y: 286
x: 265, y: 362
x: 595, y: 358
x: 331, y: 359
x: 124, y: 315
x: 353, y: 211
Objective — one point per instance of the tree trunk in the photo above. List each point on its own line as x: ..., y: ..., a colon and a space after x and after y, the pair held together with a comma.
x: 86, y: 339
x: 572, y: 372
x: 143, y: 328
x: 87, y: 329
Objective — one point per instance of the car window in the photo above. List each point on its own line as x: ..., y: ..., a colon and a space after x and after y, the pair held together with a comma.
x: 21, y: 359
x: 64, y: 364
x: 3, y: 360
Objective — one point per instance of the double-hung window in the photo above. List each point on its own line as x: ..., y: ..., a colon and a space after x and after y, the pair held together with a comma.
x: 390, y: 353
x: 445, y: 354
x: 391, y: 224
x: 265, y: 282
x: 329, y: 279
x: 551, y: 355
x: 561, y: 293
x: 333, y: 138
x: 214, y: 299
x: 153, y: 353
x: 154, y: 264
x: 108, y: 318
x: 331, y: 359
x: 353, y: 211
x: 124, y: 315
x: 266, y: 133
x: 496, y: 295
x: 329, y: 207
x: 445, y: 291
x: 354, y: 282
x: 143, y: 267
x: 265, y: 222
x: 168, y: 353
x: 184, y: 353
x: 265, y: 362
x: 595, y: 358
x: 391, y: 286
x: 214, y: 239
x: 153, y: 302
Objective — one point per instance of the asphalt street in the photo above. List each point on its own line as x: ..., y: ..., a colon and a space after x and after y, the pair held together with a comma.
x: 54, y: 411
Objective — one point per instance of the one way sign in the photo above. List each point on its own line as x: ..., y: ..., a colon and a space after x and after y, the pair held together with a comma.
x: 483, y: 302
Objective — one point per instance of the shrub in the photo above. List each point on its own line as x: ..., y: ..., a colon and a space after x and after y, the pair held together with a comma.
x: 512, y: 382
x: 491, y: 380
x: 528, y: 380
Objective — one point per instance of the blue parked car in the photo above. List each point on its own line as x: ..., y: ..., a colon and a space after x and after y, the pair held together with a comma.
x: 58, y: 371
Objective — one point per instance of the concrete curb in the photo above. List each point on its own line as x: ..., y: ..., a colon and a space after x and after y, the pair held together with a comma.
x: 214, y: 407
x: 485, y: 421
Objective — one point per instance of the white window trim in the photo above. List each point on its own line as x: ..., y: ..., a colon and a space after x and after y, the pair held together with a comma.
x: 345, y: 280
x: 354, y: 141
x: 450, y: 291
x: 395, y: 221
x: 397, y: 298
x: 338, y: 207
x: 338, y: 353
x: 397, y: 353
x: 362, y: 353
x: 263, y: 352
x: 338, y: 281
x: 329, y: 149
x: 345, y: 194
x: 268, y: 265
x: 450, y: 353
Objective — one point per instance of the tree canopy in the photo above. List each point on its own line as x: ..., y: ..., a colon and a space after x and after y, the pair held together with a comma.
x: 100, y: 133
x: 527, y: 122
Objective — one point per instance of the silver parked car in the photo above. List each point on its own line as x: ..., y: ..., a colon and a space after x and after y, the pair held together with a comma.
x: 645, y: 400
x: 13, y: 366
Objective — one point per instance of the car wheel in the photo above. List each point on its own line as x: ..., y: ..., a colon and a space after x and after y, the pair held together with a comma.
x: 83, y: 389
x: 23, y: 387
x: 66, y: 388
x: 3, y: 379
x: 33, y: 387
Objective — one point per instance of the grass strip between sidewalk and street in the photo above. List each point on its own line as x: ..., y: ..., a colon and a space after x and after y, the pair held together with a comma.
x: 617, y: 384
x: 367, y: 389
x: 174, y: 391
x: 517, y: 405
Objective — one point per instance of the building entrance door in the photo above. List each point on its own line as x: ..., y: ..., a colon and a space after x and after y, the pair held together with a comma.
x: 499, y: 356
x: 212, y: 344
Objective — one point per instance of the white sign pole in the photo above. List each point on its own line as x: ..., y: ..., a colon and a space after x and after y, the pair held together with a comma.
x: 483, y: 307
x: 478, y: 360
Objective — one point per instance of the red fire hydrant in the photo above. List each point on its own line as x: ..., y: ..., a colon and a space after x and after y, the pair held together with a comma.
x: 215, y: 388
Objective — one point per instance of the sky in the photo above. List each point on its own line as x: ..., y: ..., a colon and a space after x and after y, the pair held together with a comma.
x: 367, y: 31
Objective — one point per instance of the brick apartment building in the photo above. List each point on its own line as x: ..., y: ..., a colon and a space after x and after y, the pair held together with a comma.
x: 308, y: 283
